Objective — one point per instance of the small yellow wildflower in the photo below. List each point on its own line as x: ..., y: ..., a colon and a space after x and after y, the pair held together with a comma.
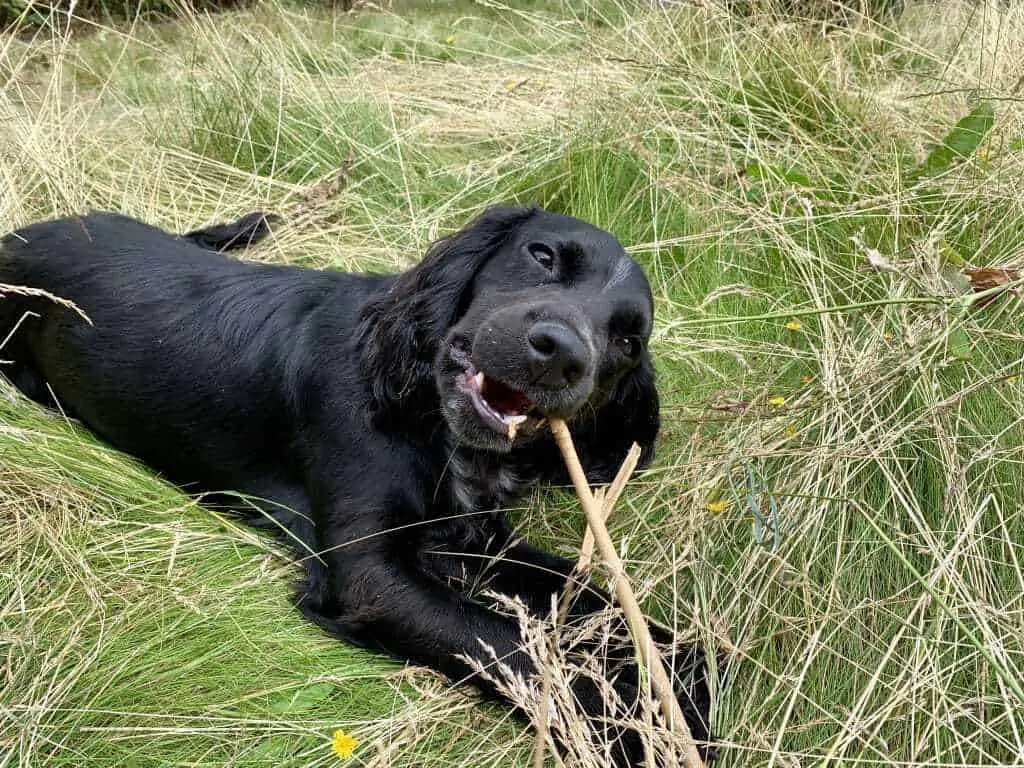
x: 777, y: 400
x: 805, y: 380
x: 450, y: 40
x: 1011, y: 379
x: 794, y: 325
x: 717, y: 507
x: 342, y: 744
x: 790, y: 430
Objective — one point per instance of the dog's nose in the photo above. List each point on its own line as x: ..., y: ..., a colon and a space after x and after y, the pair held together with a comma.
x: 558, y: 356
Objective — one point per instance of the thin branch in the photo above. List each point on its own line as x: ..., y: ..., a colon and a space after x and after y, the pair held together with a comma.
x: 627, y: 599
x: 608, y: 497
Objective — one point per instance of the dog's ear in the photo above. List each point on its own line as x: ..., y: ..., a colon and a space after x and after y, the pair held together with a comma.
x: 632, y: 415
x: 400, y: 332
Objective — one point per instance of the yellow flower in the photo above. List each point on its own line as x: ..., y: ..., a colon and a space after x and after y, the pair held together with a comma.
x: 450, y: 40
x: 342, y: 744
x: 777, y: 400
x: 790, y: 430
x: 794, y: 325
x: 717, y: 507
x: 1011, y: 379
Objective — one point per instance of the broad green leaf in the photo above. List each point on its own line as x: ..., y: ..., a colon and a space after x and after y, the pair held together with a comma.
x: 792, y: 176
x: 302, y: 700
x: 274, y: 747
x: 949, y: 254
x: 959, y: 345
x: 962, y: 141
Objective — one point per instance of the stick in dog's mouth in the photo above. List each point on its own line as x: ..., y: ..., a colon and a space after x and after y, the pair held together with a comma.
x: 641, y: 634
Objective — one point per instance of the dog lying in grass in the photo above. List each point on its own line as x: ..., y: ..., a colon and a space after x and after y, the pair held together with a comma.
x: 377, y: 423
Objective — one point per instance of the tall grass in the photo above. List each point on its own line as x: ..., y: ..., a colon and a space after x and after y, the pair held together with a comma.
x: 839, y: 490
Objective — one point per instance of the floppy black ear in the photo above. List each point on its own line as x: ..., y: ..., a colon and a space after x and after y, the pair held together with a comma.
x: 399, y: 333
x: 603, y: 437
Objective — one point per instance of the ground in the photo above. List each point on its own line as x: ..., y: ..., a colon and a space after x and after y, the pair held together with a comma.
x: 838, y: 493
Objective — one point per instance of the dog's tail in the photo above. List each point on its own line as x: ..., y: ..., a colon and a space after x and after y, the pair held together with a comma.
x: 245, y: 232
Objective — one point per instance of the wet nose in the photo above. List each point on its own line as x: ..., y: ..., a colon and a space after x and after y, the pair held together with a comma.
x: 558, y: 356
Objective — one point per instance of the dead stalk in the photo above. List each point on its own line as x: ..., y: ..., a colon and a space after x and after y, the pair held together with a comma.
x: 638, y: 629
x: 608, y: 497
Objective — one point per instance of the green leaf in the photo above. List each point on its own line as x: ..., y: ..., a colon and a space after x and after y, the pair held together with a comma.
x: 793, y: 176
x: 273, y: 748
x: 754, y: 170
x: 949, y: 254
x: 962, y: 141
x: 302, y: 700
x: 959, y: 345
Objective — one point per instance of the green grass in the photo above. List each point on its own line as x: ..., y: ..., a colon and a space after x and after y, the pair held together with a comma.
x: 760, y: 170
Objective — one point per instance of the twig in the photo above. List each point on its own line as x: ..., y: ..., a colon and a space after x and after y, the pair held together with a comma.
x: 627, y: 599
x: 608, y: 501
x: 608, y: 498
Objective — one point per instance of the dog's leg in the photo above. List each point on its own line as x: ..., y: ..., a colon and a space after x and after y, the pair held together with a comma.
x: 517, y: 568
x: 379, y: 602
x: 496, y: 559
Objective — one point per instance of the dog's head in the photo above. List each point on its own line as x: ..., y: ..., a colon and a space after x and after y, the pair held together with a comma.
x: 521, y: 315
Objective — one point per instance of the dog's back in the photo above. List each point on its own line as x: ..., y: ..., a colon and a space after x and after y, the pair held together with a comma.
x: 59, y: 267
x: 146, y: 336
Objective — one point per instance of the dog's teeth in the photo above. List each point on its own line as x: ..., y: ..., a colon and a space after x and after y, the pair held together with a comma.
x: 478, y: 380
x: 512, y: 425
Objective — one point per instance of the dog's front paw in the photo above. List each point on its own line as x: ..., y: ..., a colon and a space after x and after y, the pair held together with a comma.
x: 609, y: 708
x: 687, y: 668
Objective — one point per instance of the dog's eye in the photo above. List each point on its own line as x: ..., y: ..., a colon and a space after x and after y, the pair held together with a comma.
x: 542, y: 254
x: 628, y: 345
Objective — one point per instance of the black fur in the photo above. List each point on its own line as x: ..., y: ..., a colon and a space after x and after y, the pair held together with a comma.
x: 248, y: 230
x: 342, y: 406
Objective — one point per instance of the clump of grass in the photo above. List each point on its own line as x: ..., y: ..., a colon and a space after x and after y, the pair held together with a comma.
x: 839, y: 501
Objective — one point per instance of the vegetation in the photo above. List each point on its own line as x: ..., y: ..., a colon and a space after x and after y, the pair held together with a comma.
x: 838, y: 496
x: 22, y: 14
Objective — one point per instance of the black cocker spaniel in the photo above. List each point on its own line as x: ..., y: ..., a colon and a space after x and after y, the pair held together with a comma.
x: 378, y: 423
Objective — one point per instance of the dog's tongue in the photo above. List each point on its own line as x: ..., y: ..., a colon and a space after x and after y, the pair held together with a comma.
x: 504, y: 399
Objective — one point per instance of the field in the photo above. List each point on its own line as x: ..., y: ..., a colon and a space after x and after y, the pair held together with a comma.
x: 839, y: 491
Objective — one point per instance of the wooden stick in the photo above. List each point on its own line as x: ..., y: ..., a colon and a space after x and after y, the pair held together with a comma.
x: 627, y: 599
x: 608, y: 501
x: 608, y: 498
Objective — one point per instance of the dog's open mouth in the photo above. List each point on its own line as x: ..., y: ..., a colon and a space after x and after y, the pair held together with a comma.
x: 503, y: 409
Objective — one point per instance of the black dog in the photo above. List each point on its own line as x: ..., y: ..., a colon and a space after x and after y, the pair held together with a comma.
x: 377, y: 422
